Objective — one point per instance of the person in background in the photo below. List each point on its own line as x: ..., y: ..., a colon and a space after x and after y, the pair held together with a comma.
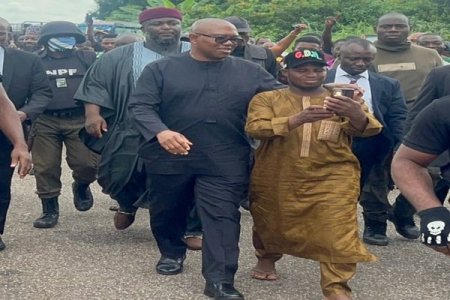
x: 128, y: 38
x: 108, y: 42
x: 433, y: 41
x: 30, y: 39
x: 257, y: 54
x: 409, y: 64
x: 384, y: 98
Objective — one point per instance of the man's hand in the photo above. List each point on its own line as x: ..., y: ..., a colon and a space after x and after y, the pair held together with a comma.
x: 22, y: 116
x: 331, y: 21
x: 88, y: 20
x: 174, y: 142
x: 299, y: 28
x: 95, y: 125
x: 22, y: 158
x: 344, y: 106
x: 309, y: 115
x: 435, y: 229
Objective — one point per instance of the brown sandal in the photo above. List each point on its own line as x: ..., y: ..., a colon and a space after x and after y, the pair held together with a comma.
x: 264, y: 275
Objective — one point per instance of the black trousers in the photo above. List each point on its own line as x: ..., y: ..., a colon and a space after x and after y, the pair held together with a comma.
x: 6, y: 173
x: 217, y: 199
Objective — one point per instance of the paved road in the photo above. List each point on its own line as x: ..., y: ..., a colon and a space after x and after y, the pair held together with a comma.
x: 84, y: 257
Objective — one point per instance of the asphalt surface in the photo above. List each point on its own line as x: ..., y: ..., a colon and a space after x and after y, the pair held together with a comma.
x: 84, y: 257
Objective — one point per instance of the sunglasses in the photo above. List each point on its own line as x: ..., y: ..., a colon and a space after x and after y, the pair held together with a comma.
x: 222, y: 39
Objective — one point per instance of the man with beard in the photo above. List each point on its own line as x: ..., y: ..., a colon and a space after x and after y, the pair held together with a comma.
x: 190, y: 110
x: 305, y: 183
x: 105, y: 92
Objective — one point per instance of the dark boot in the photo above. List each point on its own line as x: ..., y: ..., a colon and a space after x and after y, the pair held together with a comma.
x: 375, y: 232
x: 82, y: 196
x: 401, y: 215
x: 50, y: 214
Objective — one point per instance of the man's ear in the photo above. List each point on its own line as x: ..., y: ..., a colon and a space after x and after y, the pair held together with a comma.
x: 193, y: 38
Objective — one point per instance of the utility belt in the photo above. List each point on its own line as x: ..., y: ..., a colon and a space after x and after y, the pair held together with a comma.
x: 65, y: 113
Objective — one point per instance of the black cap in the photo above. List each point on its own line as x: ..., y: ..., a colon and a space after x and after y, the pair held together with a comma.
x: 240, y: 23
x: 304, y: 56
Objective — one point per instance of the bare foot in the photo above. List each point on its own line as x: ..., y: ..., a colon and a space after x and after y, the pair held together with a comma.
x: 264, y: 270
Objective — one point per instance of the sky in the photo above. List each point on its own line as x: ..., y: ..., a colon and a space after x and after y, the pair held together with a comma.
x: 18, y: 11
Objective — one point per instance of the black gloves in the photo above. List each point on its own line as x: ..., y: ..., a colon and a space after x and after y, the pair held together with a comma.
x: 435, y: 228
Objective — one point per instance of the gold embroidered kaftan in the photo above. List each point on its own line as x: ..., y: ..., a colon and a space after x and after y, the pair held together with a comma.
x: 305, y: 182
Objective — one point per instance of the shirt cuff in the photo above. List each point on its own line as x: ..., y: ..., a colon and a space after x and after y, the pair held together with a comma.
x: 280, y: 126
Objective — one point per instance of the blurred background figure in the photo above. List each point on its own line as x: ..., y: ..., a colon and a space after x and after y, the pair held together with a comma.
x: 436, y: 42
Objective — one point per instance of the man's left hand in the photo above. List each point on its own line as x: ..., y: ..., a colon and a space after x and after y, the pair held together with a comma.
x: 22, y: 116
x: 21, y: 157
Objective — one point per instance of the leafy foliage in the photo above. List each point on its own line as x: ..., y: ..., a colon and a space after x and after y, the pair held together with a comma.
x: 274, y: 18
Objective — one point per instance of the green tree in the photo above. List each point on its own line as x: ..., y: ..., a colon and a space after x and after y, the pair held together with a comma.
x: 274, y: 18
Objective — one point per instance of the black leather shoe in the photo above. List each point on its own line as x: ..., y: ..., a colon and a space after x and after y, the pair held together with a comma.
x: 2, y: 245
x: 123, y: 220
x: 406, y: 228
x: 170, y: 266
x: 222, y: 291
x: 82, y: 196
x: 372, y: 237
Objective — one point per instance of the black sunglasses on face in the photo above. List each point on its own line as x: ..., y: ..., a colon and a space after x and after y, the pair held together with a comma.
x: 222, y: 39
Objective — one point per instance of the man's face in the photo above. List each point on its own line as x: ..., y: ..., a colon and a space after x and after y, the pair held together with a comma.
x: 30, y: 41
x: 108, y: 44
x: 355, y: 59
x: 162, y: 31
x: 4, y: 39
x: 393, y: 30
x: 207, y: 43
x: 308, y: 76
x: 245, y: 37
x: 431, y: 41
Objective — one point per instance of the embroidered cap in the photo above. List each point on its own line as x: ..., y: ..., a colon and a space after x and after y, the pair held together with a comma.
x: 303, y: 56
x: 158, y: 13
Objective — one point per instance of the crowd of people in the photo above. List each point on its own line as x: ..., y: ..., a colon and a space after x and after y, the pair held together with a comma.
x: 193, y: 127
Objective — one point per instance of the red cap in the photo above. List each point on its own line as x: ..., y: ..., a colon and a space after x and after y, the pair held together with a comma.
x: 159, y: 12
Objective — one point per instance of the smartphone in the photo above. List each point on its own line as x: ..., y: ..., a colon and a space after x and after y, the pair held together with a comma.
x: 346, y: 92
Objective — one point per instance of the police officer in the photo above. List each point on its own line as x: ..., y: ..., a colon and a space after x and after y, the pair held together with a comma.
x: 61, y: 122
